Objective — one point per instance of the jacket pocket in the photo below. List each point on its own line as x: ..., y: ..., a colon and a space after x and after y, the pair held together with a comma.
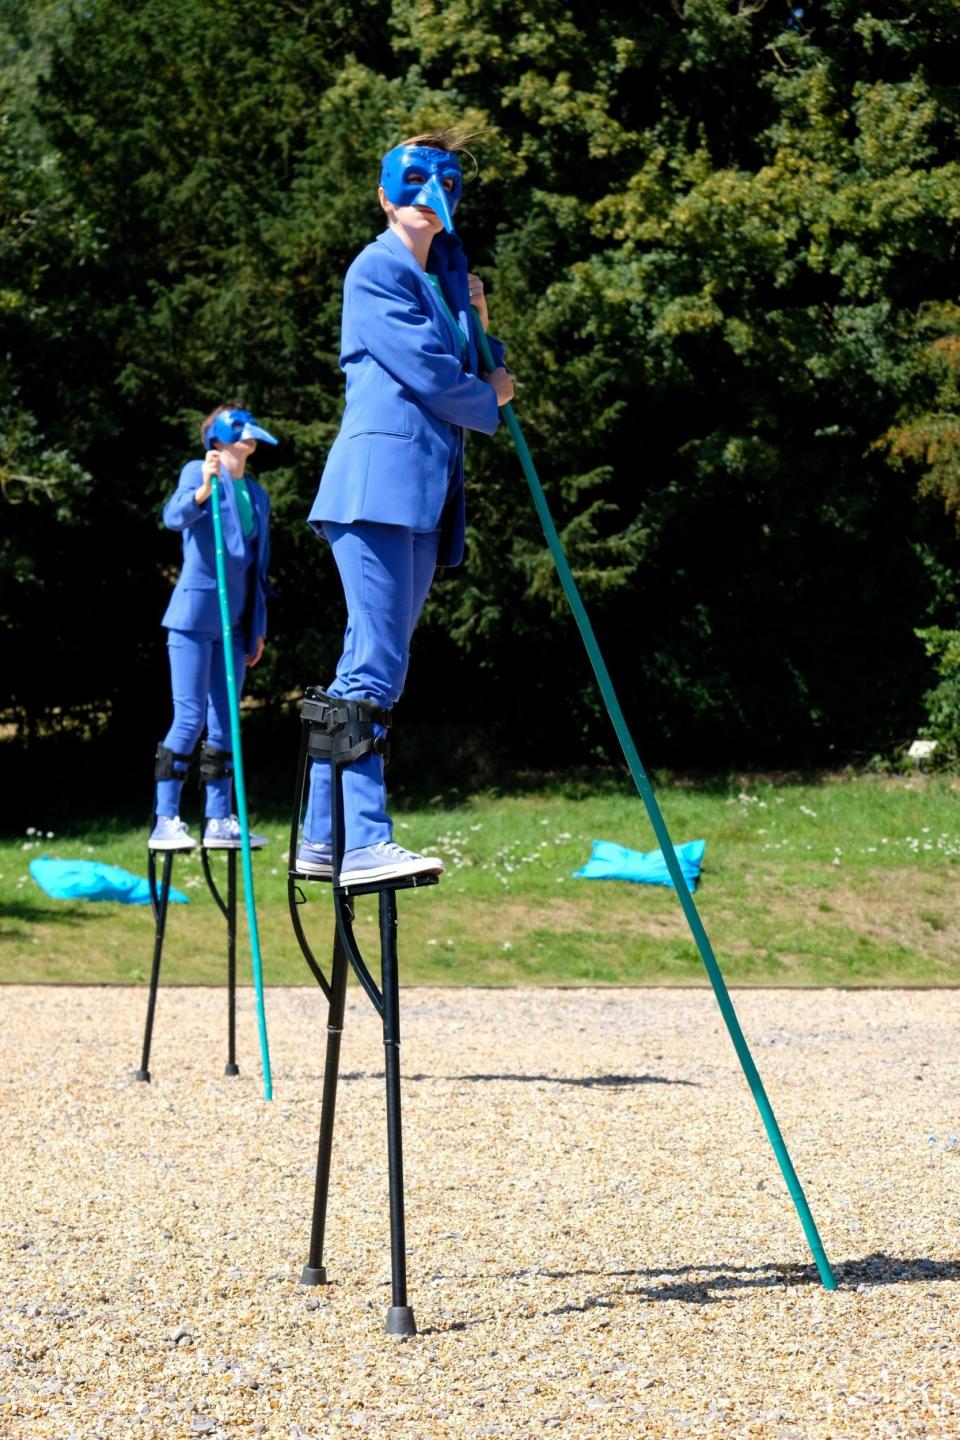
x: 394, y: 434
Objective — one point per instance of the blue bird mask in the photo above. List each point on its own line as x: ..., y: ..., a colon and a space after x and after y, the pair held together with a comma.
x: 420, y: 175
x: 233, y: 425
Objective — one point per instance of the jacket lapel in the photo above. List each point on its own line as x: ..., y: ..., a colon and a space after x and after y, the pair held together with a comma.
x: 450, y: 265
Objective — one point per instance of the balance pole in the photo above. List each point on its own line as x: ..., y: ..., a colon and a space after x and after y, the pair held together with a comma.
x: 645, y: 790
x: 238, y: 782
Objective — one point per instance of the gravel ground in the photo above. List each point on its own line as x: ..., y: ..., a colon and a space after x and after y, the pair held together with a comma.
x: 600, y: 1242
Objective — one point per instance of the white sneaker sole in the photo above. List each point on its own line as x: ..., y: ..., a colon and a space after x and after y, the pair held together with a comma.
x: 314, y: 867
x: 256, y: 843
x: 399, y: 871
x: 187, y: 843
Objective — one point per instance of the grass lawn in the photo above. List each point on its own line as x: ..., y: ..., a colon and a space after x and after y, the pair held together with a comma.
x: 843, y: 882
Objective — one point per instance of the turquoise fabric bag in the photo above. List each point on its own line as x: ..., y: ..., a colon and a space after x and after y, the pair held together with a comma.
x: 609, y: 861
x: 90, y: 880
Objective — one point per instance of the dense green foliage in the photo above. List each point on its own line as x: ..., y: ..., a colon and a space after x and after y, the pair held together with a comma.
x: 721, y: 244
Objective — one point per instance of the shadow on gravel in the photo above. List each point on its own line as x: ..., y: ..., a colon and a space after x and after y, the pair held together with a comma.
x: 587, y: 1082
x: 708, y: 1285
x: 714, y: 1284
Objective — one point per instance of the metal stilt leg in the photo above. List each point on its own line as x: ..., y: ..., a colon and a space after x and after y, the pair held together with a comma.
x: 158, y: 901
x: 313, y: 1272
x: 400, y: 1319
x: 231, y: 1068
x: 228, y: 909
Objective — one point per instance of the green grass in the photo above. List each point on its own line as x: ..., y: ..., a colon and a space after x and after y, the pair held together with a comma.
x: 849, y: 882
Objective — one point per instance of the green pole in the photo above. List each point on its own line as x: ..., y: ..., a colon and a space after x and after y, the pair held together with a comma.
x: 645, y: 789
x: 238, y: 783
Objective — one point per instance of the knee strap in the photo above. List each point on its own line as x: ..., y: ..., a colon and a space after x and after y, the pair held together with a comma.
x: 343, y: 730
x: 166, y: 760
x: 215, y: 764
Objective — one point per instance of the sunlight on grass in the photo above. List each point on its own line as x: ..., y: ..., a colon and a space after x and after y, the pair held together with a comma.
x: 843, y: 882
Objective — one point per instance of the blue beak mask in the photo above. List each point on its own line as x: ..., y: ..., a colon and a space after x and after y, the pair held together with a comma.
x: 233, y: 425
x: 417, y: 175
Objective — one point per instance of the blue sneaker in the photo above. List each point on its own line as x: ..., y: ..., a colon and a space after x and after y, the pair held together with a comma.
x: 386, y: 861
x: 170, y: 833
x: 315, y: 860
x: 226, y: 835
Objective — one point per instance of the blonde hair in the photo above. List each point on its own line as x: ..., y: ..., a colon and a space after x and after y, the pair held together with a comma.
x: 452, y: 138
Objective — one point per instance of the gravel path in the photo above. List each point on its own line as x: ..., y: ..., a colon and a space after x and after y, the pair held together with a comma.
x: 600, y: 1243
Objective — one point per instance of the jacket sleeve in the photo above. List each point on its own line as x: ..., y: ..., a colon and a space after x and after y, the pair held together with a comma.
x: 398, y: 333
x: 181, y: 510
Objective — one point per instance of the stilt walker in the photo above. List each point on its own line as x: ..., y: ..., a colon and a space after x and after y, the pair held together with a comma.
x: 390, y: 506
x: 216, y: 623
x: 390, y: 511
x: 240, y: 786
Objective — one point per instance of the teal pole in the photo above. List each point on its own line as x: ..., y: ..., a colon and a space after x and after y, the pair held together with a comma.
x: 238, y: 784
x: 645, y: 789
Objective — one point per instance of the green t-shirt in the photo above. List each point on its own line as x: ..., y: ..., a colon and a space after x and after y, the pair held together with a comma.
x: 241, y: 493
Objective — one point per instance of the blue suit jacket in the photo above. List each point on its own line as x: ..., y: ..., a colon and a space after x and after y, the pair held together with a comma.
x: 398, y: 458
x: 194, y: 604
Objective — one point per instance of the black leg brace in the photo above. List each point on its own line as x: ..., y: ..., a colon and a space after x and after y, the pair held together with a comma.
x: 215, y: 764
x: 343, y: 729
x: 167, y: 760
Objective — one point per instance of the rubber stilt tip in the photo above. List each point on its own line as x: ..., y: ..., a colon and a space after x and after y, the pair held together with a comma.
x: 313, y: 1275
x: 400, y: 1321
x: 142, y: 1075
x: 231, y: 1070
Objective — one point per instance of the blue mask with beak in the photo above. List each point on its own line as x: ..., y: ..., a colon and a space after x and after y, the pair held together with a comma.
x: 418, y: 175
x: 233, y: 425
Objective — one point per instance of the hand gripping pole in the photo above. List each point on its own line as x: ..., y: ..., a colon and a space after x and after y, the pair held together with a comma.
x: 645, y: 789
x: 238, y: 781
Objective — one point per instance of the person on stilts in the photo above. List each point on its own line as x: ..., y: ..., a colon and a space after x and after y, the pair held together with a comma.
x: 229, y: 435
x: 391, y: 498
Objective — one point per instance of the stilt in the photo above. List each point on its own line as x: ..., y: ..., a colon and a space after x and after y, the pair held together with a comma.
x: 339, y: 731
x: 313, y: 1272
x: 400, y: 1319
x: 159, y: 900
x: 228, y: 909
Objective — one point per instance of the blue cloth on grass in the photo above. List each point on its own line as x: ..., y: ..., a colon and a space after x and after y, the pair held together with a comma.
x: 609, y: 861
x: 89, y: 880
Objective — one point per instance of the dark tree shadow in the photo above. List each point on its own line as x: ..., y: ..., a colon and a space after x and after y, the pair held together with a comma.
x: 19, y: 910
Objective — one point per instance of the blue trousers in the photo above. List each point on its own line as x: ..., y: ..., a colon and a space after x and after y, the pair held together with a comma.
x: 386, y: 572
x: 198, y: 679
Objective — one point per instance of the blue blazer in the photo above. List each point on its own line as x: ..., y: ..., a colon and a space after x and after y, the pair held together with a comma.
x: 194, y: 604
x: 398, y: 458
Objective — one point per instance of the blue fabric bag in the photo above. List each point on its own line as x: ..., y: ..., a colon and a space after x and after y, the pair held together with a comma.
x: 615, y: 862
x: 89, y: 880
